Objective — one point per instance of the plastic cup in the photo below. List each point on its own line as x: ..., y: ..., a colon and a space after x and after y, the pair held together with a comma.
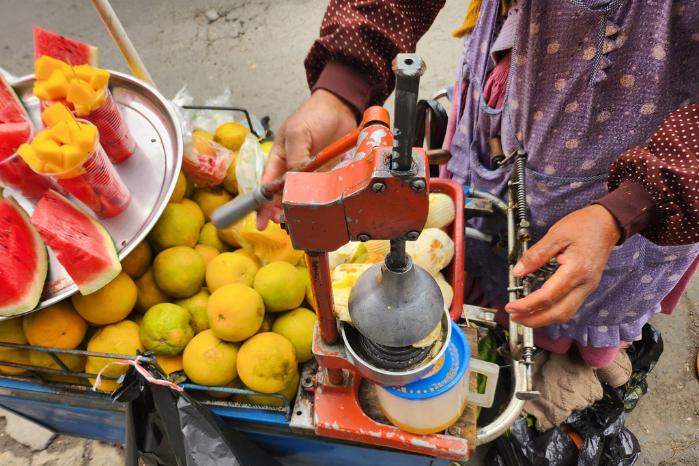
x: 96, y: 183
x: 16, y: 174
x: 115, y: 136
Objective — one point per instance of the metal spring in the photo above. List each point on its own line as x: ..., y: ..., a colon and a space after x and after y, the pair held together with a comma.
x: 390, y: 358
x: 520, y: 191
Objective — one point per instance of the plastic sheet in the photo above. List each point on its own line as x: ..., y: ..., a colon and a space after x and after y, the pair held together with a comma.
x: 597, y: 435
x: 168, y: 427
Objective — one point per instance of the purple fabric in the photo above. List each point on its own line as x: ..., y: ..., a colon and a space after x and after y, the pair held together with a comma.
x: 573, y: 125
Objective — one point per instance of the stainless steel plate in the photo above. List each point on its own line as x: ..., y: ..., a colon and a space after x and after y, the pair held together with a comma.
x: 150, y: 174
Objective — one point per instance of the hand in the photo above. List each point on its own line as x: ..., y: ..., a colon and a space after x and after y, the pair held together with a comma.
x: 581, y: 243
x: 320, y: 121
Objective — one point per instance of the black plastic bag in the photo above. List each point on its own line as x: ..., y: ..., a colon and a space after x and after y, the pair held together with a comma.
x: 168, y: 427
x: 606, y: 441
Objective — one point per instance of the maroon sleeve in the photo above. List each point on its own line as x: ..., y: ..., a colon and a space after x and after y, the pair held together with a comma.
x: 359, y: 39
x: 654, y: 190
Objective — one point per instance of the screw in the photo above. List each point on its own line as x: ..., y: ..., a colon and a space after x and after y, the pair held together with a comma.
x: 363, y: 237
x: 378, y: 187
x: 418, y: 186
x: 412, y: 235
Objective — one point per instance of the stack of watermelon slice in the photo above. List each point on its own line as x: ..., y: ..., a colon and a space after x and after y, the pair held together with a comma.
x: 80, y: 243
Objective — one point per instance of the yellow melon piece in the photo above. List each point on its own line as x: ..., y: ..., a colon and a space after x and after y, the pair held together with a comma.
x: 28, y: 154
x: 60, y: 132
x: 84, y: 137
x: 80, y: 93
x: 44, y: 66
x: 72, y: 156
x: 40, y: 90
x: 55, y: 113
x: 56, y: 86
x: 49, y: 152
x: 99, y: 80
x: 84, y: 72
x: 50, y: 167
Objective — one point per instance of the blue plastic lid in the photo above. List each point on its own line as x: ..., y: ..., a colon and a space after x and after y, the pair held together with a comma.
x: 445, y: 374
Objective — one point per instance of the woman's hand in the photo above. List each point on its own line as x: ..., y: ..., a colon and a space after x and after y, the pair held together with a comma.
x: 581, y: 243
x: 320, y: 121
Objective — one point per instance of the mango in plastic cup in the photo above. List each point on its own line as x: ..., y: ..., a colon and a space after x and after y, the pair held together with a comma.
x: 96, y: 183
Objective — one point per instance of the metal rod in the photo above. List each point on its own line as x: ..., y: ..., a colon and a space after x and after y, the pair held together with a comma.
x: 45, y: 349
x: 397, y: 258
x: 512, y: 411
x: 408, y: 67
x: 121, y: 39
x: 321, y: 283
x: 492, y: 198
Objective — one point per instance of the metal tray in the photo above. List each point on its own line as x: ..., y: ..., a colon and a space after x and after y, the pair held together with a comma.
x: 150, y: 174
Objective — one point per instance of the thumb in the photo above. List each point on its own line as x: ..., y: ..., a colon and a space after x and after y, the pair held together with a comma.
x: 539, y: 254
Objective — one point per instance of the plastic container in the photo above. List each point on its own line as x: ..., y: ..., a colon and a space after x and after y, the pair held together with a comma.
x: 115, y: 136
x: 435, y: 402
x: 206, y: 162
x: 16, y: 174
x: 96, y: 183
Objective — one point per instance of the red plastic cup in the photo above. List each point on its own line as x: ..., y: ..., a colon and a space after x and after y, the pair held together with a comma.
x: 115, y: 136
x: 96, y: 183
x: 16, y: 174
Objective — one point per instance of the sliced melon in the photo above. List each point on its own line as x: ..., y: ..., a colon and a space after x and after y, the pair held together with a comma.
x: 81, y: 244
x: 15, y: 125
x: 68, y: 50
x: 23, y: 261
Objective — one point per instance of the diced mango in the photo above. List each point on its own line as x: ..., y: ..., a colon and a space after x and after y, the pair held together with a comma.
x: 85, y: 137
x: 50, y: 167
x: 26, y: 151
x: 72, y: 156
x: 48, y: 151
x: 80, y: 93
x: 55, y: 113
x: 56, y: 86
x: 44, y: 66
x: 84, y: 72
x: 60, y: 132
x: 40, y: 90
x: 99, y: 80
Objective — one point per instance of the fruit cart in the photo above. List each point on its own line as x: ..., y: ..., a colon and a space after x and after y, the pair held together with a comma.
x: 339, y: 414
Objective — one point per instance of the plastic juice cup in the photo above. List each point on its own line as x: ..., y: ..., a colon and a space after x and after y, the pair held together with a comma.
x: 96, y: 183
x: 115, y: 136
x: 16, y: 174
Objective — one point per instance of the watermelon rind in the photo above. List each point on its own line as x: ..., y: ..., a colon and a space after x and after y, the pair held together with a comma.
x: 32, y: 294
x: 97, y: 245
x: 63, y: 48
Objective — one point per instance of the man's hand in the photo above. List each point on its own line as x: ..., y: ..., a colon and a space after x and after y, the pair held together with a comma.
x: 581, y: 243
x: 320, y: 121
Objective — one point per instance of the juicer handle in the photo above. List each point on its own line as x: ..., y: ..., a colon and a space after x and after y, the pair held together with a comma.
x: 491, y: 372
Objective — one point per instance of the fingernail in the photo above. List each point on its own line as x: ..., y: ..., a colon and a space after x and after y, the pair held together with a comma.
x: 518, y: 269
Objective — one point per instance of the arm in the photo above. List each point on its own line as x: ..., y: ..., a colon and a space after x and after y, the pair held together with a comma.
x: 348, y: 69
x: 654, y: 188
x: 359, y: 39
x: 654, y: 193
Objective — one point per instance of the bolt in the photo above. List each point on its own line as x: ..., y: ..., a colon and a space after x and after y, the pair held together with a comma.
x: 378, y: 187
x: 418, y: 186
x: 412, y: 235
x: 363, y: 237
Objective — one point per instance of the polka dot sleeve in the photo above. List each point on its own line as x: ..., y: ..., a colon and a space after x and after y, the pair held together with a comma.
x: 366, y: 35
x: 668, y: 169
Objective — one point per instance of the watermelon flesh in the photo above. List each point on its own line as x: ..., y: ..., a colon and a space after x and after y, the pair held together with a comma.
x: 70, y: 51
x: 23, y: 261
x: 15, y: 125
x: 81, y: 244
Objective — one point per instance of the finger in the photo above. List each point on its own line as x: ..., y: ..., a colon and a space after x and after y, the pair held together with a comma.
x: 566, y: 278
x: 264, y: 215
x: 560, y: 312
x: 543, y: 251
x: 297, y: 145
x: 276, y: 164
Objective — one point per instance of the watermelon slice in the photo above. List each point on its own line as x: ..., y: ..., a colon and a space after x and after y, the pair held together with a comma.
x: 69, y: 50
x: 15, y: 125
x: 81, y: 244
x: 23, y: 261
